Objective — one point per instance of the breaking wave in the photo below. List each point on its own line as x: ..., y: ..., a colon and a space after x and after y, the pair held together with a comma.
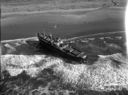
x: 105, y: 74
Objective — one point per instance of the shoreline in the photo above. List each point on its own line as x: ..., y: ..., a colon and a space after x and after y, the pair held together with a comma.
x: 68, y: 39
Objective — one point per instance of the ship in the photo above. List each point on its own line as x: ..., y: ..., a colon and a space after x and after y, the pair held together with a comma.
x: 57, y: 45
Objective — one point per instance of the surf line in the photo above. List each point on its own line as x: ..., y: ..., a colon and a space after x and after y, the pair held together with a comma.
x: 126, y: 26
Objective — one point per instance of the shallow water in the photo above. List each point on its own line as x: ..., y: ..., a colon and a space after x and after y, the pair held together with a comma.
x: 63, y: 25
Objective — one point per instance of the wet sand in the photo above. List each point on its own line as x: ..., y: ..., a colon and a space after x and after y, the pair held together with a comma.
x: 65, y: 25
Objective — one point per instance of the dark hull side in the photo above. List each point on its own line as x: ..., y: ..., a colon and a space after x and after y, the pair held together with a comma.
x: 58, y: 52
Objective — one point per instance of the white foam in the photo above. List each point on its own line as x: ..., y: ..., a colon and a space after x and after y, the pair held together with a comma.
x: 100, y: 76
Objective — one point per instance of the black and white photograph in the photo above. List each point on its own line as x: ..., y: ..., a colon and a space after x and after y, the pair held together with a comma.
x: 64, y: 47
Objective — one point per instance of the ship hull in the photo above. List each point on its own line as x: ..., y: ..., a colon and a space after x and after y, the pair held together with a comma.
x: 57, y: 51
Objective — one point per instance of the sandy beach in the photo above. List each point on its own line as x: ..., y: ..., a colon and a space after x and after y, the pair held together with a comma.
x: 64, y: 24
